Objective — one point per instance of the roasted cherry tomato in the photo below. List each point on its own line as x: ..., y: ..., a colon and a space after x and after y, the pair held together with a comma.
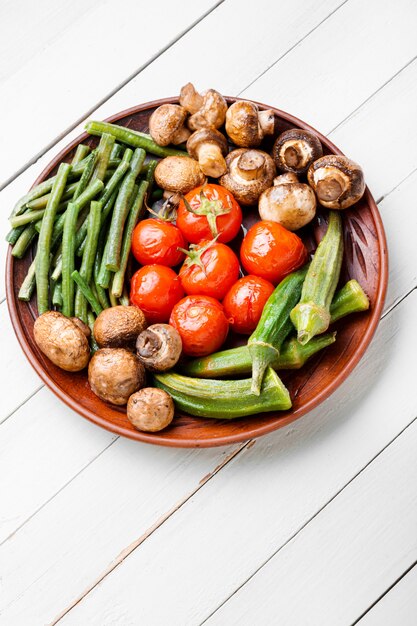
x: 157, y: 241
x: 201, y: 323
x: 271, y: 251
x: 209, y: 211
x: 155, y: 289
x: 210, y: 270
x: 244, y: 303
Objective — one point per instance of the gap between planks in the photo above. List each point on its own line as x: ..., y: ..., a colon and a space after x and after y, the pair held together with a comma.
x: 135, y: 544
x: 100, y: 102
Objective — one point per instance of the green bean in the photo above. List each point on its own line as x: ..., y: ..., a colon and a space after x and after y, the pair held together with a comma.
x: 132, y: 138
x: 101, y: 293
x: 24, y: 241
x: 81, y: 152
x: 28, y: 217
x: 81, y: 233
x: 40, y: 203
x: 116, y: 177
x: 124, y: 298
x: 44, y: 243
x: 86, y: 269
x: 28, y: 285
x: 150, y: 176
x: 118, y: 280
x: 94, y: 303
x: 116, y: 151
x: 113, y: 299
x: 121, y: 209
x: 86, y: 176
x: 57, y: 295
x: 104, y: 275
x: 14, y: 234
x: 90, y: 321
x: 68, y: 263
x: 103, y: 156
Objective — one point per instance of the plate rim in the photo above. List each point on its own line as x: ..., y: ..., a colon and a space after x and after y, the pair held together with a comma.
x: 221, y: 440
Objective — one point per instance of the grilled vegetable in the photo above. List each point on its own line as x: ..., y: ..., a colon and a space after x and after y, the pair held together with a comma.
x: 311, y: 316
x: 349, y: 299
x: 274, y: 326
x: 224, y: 399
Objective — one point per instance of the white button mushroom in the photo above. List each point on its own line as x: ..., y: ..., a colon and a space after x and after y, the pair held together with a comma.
x: 150, y: 409
x: 337, y: 181
x: 208, y: 146
x: 63, y: 340
x: 295, y: 149
x: 289, y: 202
x: 179, y: 174
x: 249, y: 173
x: 208, y: 109
x: 246, y: 125
x: 167, y: 125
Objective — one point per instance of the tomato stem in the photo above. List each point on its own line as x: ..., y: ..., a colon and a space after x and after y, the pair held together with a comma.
x: 210, y: 208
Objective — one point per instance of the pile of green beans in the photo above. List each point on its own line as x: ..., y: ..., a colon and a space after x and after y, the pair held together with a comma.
x: 82, y: 220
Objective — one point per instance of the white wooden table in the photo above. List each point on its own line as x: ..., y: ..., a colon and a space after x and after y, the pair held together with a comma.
x: 315, y: 524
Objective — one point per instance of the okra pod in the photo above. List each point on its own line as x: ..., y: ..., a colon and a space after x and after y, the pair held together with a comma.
x: 224, y: 399
x: 274, y: 326
x: 311, y: 316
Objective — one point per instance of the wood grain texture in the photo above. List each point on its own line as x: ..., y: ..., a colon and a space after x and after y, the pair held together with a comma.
x: 365, y: 260
x: 263, y: 499
x: 398, y: 606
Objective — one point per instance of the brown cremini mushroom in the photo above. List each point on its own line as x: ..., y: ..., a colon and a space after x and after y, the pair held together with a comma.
x: 119, y: 326
x: 208, y: 146
x: 295, y: 149
x: 208, y: 110
x: 249, y: 173
x: 159, y: 347
x: 167, y: 125
x: 289, y: 202
x: 337, y: 181
x: 82, y: 326
x: 179, y: 174
x: 246, y: 125
x: 150, y: 409
x: 62, y: 341
x: 114, y: 374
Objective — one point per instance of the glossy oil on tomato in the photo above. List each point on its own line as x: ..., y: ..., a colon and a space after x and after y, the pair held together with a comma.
x: 245, y: 301
x: 156, y: 289
x: 218, y: 271
x: 201, y: 323
x: 218, y: 201
x: 157, y: 241
x: 271, y: 251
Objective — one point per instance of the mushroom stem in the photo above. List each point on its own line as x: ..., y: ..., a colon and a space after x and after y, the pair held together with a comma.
x: 266, y: 121
x: 331, y: 188
x: 211, y: 160
x: 251, y: 165
x: 148, y: 343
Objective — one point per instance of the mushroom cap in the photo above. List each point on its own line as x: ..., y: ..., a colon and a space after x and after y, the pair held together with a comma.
x: 211, y: 114
x: 82, y: 326
x: 190, y: 99
x: 159, y: 347
x: 295, y: 149
x: 114, y: 374
x: 165, y: 122
x: 206, y: 135
x: 242, y: 124
x: 150, y: 409
x: 177, y: 173
x: 338, y: 181
x: 62, y: 341
x: 291, y: 204
x: 118, y: 326
x: 249, y: 173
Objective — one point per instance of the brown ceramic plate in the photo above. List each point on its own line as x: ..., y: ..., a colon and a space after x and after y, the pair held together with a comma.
x: 365, y: 260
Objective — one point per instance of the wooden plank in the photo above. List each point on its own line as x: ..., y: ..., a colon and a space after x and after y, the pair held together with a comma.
x: 268, y: 493
x: 398, y: 606
x: 32, y: 455
x: 27, y: 29
x: 91, y: 58
x: 18, y: 377
x: 115, y: 501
